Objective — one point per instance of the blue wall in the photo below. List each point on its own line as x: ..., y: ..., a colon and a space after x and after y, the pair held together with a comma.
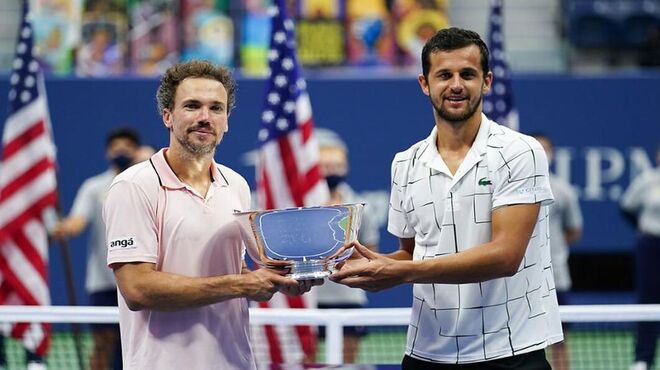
x: 604, y: 127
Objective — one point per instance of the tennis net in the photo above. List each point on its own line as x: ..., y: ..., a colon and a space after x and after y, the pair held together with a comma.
x: 597, y: 336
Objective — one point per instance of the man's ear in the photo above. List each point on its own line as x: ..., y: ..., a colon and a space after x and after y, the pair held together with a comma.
x: 423, y: 84
x: 167, y: 118
x: 488, y: 82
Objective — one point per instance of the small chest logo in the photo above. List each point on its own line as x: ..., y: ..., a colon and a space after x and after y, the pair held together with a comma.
x: 123, y: 243
x: 484, y: 181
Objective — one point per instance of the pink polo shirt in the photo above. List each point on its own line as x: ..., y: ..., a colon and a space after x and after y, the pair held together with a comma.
x: 151, y: 216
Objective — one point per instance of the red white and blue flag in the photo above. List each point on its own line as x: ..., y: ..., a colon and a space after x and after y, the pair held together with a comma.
x: 288, y: 175
x: 27, y: 191
x: 498, y: 104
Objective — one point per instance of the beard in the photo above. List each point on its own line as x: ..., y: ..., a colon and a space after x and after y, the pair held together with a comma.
x: 194, y: 148
x: 461, y: 116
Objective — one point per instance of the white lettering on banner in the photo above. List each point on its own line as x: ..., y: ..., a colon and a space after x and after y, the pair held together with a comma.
x: 639, y: 162
x: 598, y: 176
x: 604, y: 170
x: 562, y: 160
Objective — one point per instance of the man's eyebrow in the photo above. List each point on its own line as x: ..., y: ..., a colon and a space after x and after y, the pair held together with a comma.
x: 197, y: 101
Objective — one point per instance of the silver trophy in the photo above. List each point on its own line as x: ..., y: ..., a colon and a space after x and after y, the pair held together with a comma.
x: 303, y: 241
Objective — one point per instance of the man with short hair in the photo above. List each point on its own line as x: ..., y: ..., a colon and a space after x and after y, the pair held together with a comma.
x: 173, y: 243
x: 469, y: 206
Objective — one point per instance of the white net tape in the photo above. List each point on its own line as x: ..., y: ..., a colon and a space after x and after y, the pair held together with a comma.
x: 333, y: 320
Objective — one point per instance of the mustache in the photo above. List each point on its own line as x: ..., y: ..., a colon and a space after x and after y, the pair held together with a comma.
x: 202, y: 126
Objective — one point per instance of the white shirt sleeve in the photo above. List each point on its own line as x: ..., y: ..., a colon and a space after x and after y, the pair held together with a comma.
x: 398, y: 223
x: 521, y: 174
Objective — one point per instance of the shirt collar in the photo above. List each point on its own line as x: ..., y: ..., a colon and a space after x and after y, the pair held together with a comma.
x: 169, y: 179
x: 431, y: 157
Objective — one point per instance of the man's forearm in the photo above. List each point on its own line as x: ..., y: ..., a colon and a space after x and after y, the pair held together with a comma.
x: 170, y: 292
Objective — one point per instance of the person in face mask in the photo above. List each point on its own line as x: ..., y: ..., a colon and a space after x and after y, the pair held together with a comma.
x: 333, y: 160
x: 121, y: 152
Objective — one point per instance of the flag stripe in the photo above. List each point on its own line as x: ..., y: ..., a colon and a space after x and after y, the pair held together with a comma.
x: 28, y: 263
x: 498, y: 104
x: 32, y: 199
x: 291, y: 171
x: 17, y: 287
x: 33, y: 270
x: 268, y: 194
x: 304, y: 109
x: 304, y: 332
x: 24, y: 179
x: 36, y: 208
x: 12, y: 147
x: 274, y: 348
x: 24, y: 118
x: 5, y: 290
x: 27, y: 190
x: 307, y: 129
x: 32, y: 259
x: 272, y: 166
x: 19, y: 329
x: 287, y: 171
x: 306, y: 150
x: 19, y: 162
x: 44, y: 343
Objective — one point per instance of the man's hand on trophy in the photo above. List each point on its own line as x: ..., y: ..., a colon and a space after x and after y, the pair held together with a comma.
x: 303, y: 287
x: 339, y: 254
x: 370, y: 271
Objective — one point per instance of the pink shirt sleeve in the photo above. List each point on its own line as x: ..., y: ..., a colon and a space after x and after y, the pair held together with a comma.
x: 130, y: 220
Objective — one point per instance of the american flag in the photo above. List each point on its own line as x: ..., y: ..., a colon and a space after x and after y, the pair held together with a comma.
x: 498, y: 104
x: 27, y: 191
x: 288, y: 174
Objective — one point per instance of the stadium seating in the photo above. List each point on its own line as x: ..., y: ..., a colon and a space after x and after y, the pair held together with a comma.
x: 610, y: 23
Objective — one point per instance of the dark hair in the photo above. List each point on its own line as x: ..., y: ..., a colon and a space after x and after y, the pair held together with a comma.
x: 451, y: 39
x: 122, y: 133
x: 195, y: 69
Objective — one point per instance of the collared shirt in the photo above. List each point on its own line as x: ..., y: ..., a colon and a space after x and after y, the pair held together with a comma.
x: 643, y: 197
x: 89, y: 205
x: 151, y: 216
x: 448, y: 214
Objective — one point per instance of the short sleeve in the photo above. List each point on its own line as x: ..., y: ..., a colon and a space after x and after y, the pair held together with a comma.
x: 131, y: 228
x: 83, y: 205
x: 398, y: 223
x: 521, y: 175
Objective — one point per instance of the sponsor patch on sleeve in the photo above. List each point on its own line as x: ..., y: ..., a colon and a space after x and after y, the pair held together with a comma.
x: 122, y: 244
x: 533, y: 190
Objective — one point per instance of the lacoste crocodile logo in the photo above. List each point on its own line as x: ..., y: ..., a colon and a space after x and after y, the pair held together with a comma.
x: 484, y: 181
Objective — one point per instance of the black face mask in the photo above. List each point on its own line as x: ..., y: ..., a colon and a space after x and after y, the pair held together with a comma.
x: 121, y: 161
x: 334, y: 181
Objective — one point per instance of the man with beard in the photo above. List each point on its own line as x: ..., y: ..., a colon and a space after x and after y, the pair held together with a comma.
x: 173, y: 244
x: 469, y: 206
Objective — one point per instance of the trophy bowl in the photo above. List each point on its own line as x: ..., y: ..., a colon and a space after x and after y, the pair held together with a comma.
x: 303, y: 241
